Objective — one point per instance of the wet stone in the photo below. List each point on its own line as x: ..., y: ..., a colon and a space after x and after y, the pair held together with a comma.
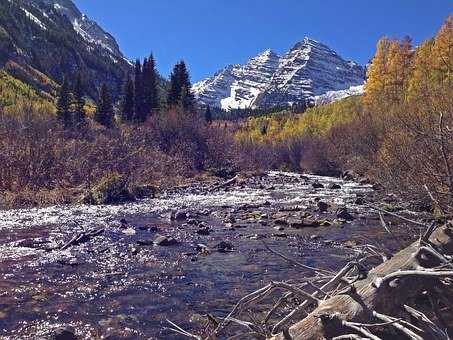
x: 180, y: 215
x: 145, y: 242
x: 344, y: 214
x: 164, y: 241
x: 202, y: 249
x: 224, y: 247
x: 322, y: 206
x: 317, y: 185
x: 256, y: 237
x: 359, y: 201
x: 334, y: 186
x: 205, y: 231
x: 64, y: 333
x: 280, y: 235
x: 281, y: 222
x: 151, y: 229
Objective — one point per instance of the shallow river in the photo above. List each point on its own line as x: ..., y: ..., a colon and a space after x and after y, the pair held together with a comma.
x: 121, y: 285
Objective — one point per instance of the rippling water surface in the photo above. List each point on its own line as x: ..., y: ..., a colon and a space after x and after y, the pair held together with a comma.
x: 120, y: 285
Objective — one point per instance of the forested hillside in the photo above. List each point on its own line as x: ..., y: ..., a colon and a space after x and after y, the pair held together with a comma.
x: 399, y: 132
x: 39, y: 46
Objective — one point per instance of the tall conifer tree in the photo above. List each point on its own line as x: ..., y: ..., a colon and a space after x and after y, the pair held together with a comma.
x: 128, y: 104
x: 208, y: 115
x: 138, y: 97
x: 79, y: 117
x: 180, y: 88
x: 104, y: 112
x: 151, y: 99
x: 64, y: 104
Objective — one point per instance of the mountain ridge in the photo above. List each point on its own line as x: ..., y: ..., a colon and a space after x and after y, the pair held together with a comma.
x: 307, y: 70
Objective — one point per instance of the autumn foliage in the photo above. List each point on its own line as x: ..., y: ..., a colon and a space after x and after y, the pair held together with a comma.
x: 399, y: 133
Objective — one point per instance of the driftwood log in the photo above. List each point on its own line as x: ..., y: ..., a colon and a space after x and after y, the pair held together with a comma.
x: 82, y: 237
x: 409, y: 296
x: 425, y: 267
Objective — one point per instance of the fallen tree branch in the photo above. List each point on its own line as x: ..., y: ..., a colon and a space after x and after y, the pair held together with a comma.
x: 82, y: 237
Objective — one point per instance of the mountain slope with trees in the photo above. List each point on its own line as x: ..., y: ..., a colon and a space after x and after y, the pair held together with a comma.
x: 40, y: 46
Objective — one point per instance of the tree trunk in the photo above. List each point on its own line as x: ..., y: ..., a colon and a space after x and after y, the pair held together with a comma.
x: 374, y: 294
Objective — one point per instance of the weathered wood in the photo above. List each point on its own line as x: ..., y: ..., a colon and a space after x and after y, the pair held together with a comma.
x: 383, y: 291
x: 82, y: 237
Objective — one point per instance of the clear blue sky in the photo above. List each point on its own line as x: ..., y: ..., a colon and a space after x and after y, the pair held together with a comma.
x: 210, y: 34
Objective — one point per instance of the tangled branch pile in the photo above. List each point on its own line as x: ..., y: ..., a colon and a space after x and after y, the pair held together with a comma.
x: 408, y: 296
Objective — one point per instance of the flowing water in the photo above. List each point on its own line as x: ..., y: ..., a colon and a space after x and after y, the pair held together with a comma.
x: 119, y: 285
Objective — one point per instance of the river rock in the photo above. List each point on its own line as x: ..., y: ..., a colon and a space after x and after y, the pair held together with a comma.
x: 145, y: 242
x: 256, y: 237
x: 129, y: 231
x: 151, y: 229
x: 164, y: 241
x: 281, y: 235
x: 281, y: 222
x: 64, y: 333
x: 359, y: 201
x: 322, y: 206
x: 224, y: 247
x: 349, y: 175
x: 343, y: 213
x: 334, y: 186
x: 179, y: 215
x: 317, y: 185
x: 204, y: 231
x: 202, y: 249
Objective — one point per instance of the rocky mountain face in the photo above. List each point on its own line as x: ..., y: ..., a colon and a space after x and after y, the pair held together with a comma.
x: 41, y: 41
x: 308, y: 70
x: 86, y: 28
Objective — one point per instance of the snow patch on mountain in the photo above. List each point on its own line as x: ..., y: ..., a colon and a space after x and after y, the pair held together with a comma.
x: 34, y: 19
x: 333, y: 96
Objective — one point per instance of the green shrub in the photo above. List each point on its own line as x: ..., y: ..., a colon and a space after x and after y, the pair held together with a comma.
x: 111, y: 189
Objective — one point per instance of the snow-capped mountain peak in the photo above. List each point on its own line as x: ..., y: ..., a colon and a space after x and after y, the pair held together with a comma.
x: 308, y: 69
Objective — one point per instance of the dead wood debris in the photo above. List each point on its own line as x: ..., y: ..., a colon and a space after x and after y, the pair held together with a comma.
x: 409, y: 295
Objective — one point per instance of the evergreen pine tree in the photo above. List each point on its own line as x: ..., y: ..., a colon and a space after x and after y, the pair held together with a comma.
x: 151, y: 97
x: 104, y: 112
x: 138, y: 96
x: 128, y: 104
x: 208, y: 115
x: 79, y: 118
x: 180, y: 88
x: 174, y: 92
x: 64, y: 104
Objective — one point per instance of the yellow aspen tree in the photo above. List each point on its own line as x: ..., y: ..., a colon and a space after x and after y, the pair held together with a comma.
x: 376, y: 80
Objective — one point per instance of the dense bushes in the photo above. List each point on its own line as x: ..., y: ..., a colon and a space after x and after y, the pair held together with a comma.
x: 37, y: 156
